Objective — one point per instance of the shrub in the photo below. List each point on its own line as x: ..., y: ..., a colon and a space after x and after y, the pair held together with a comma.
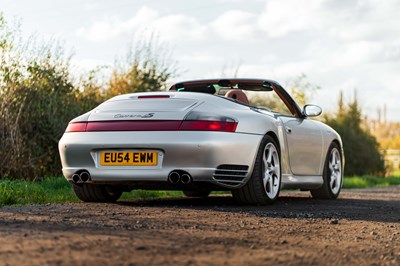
x: 37, y: 101
x: 147, y: 68
x: 361, y: 149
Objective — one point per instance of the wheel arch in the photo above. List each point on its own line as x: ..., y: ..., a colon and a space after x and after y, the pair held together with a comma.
x: 281, y: 144
x: 275, y: 138
x: 340, y: 145
x: 336, y: 141
x: 254, y: 190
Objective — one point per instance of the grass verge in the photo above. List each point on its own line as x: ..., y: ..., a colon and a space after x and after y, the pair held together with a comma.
x: 58, y: 190
x: 370, y: 181
x: 48, y: 190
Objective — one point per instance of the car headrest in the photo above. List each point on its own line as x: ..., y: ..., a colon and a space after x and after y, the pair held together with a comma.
x: 238, y: 95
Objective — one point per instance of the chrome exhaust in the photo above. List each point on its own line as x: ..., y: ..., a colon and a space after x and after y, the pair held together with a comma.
x: 186, y: 179
x: 84, y: 176
x: 174, y: 177
x: 76, y: 178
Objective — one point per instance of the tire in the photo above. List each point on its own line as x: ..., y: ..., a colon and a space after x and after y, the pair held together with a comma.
x: 332, y: 175
x: 96, y: 193
x: 264, y: 184
x: 196, y: 193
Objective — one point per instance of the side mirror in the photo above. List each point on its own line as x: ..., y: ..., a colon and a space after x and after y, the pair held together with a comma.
x: 311, y: 110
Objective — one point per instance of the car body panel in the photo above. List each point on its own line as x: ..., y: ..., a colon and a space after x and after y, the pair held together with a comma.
x: 132, y: 108
x: 305, y: 145
x: 198, y: 153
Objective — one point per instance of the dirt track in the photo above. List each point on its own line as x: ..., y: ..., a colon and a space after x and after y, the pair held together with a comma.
x: 361, y: 228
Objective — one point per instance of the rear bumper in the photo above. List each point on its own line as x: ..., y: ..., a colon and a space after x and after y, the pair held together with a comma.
x: 198, y: 153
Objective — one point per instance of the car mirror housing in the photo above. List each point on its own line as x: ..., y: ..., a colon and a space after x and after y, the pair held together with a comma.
x: 311, y: 110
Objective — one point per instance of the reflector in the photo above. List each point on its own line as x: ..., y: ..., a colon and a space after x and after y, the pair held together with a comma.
x: 134, y: 125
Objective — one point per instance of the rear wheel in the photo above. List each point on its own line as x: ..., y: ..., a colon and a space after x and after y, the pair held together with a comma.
x: 96, y: 193
x: 333, y: 175
x: 265, y: 183
x: 196, y: 193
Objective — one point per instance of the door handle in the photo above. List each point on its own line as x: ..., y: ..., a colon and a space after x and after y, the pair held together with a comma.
x: 288, y: 130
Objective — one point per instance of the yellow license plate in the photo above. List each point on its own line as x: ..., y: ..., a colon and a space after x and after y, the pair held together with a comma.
x: 128, y: 158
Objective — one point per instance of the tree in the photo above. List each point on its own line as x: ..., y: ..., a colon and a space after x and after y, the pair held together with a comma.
x: 90, y: 91
x: 36, y: 102
x: 361, y: 149
x: 145, y: 69
x: 300, y: 89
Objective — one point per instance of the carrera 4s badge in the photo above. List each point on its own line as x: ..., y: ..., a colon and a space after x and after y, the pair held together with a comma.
x: 149, y: 115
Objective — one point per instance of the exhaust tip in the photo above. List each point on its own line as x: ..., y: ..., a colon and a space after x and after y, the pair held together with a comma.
x: 186, y: 179
x: 174, y: 177
x: 84, y: 176
x: 76, y: 178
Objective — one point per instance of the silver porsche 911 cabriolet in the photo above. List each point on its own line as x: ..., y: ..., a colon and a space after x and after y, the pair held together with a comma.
x: 247, y: 136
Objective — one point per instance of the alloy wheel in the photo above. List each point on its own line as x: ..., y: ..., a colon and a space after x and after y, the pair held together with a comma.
x: 271, y: 171
x: 335, y: 170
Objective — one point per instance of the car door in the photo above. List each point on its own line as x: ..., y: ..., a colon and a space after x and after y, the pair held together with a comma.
x: 305, y: 145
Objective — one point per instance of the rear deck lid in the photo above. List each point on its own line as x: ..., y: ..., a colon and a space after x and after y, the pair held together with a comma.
x: 145, y: 107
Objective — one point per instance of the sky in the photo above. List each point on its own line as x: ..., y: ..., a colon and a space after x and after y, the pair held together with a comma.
x: 348, y: 45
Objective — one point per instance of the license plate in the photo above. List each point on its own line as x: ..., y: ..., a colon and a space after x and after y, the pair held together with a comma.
x: 128, y: 158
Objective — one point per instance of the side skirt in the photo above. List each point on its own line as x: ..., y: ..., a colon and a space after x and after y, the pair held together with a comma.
x: 303, y: 182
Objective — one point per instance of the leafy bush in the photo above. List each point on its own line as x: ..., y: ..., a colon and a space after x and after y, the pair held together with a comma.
x: 37, y: 101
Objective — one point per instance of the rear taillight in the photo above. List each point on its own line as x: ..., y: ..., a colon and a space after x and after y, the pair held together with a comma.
x: 76, y: 127
x: 199, y: 125
x: 193, y: 122
x: 208, y: 122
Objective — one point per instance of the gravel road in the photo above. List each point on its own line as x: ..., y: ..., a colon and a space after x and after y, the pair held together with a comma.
x: 362, y: 227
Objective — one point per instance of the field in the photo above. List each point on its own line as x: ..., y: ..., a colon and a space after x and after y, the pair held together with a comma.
x: 58, y: 190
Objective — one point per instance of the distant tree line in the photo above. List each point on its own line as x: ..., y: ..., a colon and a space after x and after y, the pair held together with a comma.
x: 39, y: 96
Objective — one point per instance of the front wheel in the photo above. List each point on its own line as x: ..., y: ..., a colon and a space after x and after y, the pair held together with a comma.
x: 265, y: 182
x: 332, y: 176
x: 96, y: 193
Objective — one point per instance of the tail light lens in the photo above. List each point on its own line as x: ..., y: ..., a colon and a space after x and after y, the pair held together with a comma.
x: 209, y: 126
x: 206, y: 122
x: 76, y: 127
